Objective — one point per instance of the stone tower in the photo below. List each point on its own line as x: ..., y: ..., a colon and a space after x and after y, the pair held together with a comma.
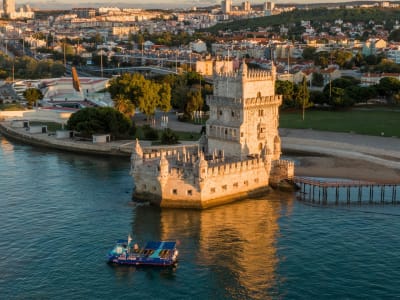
x: 8, y: 7
x: 244, y: 114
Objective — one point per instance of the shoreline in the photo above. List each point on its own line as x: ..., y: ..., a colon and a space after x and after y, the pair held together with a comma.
x: 318, y: 159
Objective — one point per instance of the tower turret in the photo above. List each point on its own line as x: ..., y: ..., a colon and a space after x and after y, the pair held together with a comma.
x: 163, y: 169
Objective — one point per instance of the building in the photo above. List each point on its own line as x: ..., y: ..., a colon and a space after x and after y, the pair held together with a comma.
x: 269, y: 8
x: 239, y: 155
x: 226, y: 6
x: 8, y: 7
x: 84, y: 13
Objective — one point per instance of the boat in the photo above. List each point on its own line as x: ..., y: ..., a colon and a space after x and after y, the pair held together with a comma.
x: 154, y: 253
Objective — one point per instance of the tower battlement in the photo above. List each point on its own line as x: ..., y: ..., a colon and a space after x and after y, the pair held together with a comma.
x: 247, y: 74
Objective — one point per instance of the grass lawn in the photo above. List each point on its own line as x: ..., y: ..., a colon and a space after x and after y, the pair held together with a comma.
x: 182, y: 135
x: 361, y: 121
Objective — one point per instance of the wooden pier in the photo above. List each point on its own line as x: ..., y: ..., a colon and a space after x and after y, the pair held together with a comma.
x: 347, y: 191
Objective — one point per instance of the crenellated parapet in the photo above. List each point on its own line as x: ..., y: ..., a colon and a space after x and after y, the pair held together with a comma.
x: 251, y: 74
x: 267, y: 100
x: 236, y: 167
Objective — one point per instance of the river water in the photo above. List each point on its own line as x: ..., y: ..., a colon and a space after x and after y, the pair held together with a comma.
x: 60, y: 213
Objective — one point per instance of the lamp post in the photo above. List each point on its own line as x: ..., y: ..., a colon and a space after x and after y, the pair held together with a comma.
x: 65, y: 56
x: 101, y: 62
x: 176, y: 61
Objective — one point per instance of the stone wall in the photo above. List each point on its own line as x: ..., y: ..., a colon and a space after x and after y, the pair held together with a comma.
x: 37, y: 115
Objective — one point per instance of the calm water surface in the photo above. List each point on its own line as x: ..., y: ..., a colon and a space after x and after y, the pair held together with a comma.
x: 60, y: 213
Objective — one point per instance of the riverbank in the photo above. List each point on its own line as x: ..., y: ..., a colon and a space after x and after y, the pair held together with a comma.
x: 316, y: 153
x: 49, y: 140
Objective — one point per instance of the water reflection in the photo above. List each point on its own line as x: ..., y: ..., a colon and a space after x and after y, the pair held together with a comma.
x: 236, y: 243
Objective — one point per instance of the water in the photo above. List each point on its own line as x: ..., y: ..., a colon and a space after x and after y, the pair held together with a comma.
x: 60, y: 213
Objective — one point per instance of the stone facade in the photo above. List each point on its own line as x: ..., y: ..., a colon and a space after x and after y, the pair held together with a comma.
x: 238, y: 157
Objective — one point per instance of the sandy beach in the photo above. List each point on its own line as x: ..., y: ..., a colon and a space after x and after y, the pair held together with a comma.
x: 334, y: 167
x: 343, y: 155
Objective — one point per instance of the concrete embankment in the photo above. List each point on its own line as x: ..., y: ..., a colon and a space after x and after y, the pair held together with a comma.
x: 115, y: 148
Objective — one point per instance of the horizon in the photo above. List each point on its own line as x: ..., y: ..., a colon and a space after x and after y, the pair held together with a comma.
x: 153, y: 4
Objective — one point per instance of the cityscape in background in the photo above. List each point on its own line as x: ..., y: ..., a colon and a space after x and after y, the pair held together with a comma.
x: 105, y: 41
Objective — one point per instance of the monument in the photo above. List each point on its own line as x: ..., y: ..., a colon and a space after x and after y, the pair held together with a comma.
x: 238, y: 157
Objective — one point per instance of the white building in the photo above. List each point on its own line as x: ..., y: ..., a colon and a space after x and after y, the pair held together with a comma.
x: 226, y: 6
x: 198, y: 46
x: 394, y: 54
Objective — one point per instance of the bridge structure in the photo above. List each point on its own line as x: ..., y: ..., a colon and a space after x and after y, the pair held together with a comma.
x: 347, y: 191
x: 141, y: 69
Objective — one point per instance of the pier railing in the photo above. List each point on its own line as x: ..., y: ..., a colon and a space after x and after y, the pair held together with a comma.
x: 347, y: 191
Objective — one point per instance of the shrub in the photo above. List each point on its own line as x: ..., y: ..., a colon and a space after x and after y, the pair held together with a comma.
x: 169, y: 137
x: 150, y: 133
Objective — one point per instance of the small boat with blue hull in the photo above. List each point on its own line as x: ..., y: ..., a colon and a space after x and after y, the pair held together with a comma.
x: 157, y: 253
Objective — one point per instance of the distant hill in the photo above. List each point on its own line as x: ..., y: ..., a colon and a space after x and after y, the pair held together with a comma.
x: 316, y: 16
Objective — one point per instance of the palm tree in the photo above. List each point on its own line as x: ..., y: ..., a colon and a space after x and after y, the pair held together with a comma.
x: 124, y: 106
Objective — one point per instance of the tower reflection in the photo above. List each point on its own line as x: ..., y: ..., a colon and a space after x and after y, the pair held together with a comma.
x: 237, y: 243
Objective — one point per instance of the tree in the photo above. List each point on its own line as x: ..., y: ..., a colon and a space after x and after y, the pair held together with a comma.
x: 309, y: 52
x: 169, y: 137
x: 302, y: 96
x: 394, y: 36
x: 165, y: 98
x: 194, y: 102
x: 342, y: 57
x: 389, y: 86
x: 317, y: 79
x: 32, y: 95
x: 286, y: 89
x: 149, y: 98
x: 92, y: 120
x: 337, y: 98
x: 124, y: 105
x: 321, y: 59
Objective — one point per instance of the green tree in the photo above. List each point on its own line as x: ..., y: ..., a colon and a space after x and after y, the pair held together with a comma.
x: 321, y: 59
x: 124, y: 105
x: 128, y: 85
x: 309, y: 52
x: 194, y: 102
x: 169, y: 137
x: 337, y: 98
x: 165, y: 98
x: 394, y: 36
x: 317, y: 79
x: 32, y: 95
x: 389, y: 86
x: 302, y: 96
x: 149, y: 98
x: 342, y: 57
x: 286, y: 89
x: 93, y: 120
